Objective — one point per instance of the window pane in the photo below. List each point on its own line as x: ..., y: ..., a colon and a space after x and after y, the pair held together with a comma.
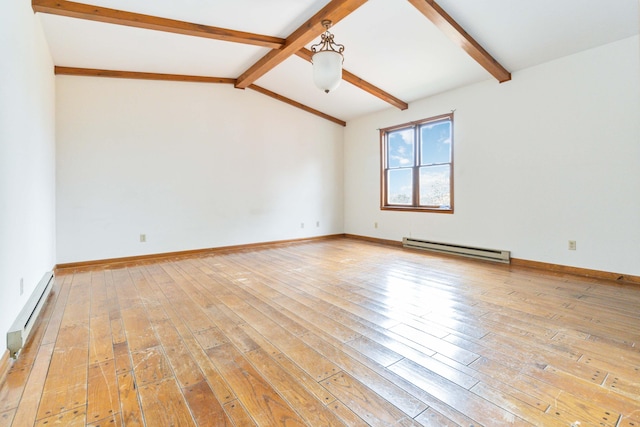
x: 400, y: 150
x: 399, y: 187
x: 435, y: 143
x: 434, y: 186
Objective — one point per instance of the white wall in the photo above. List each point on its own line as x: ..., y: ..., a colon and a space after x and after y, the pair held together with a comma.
x: 551, y: 156
x: 27, y: 157
x: 190, y: 165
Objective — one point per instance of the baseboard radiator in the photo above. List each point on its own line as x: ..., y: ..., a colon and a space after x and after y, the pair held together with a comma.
x: 467, y: 251
x: 19, y: 332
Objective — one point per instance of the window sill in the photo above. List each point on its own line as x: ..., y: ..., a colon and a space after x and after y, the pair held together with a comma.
x: 416, y: 209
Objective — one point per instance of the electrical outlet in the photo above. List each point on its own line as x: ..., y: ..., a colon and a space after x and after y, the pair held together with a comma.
x: 317, y: 223
x: 21, y: 286
x: 302, y: 225
x: 572, y: 245
x: 143, y: 238
x: 375, y: 225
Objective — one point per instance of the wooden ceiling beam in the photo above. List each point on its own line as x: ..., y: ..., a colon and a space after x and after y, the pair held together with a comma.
x: 92, y: 72
x: 335, y: 11
x: 362, y: 84
x: 296, y: 104
x: 458, y: 35
x: 119, y: 17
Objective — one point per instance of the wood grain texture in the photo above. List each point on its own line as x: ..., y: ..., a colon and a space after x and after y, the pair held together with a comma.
x: 258, y: 396
x: 238, y: 414
x: 4, y: 365
x: 129, y: 400
x: 206, y: 409
x: 334, y: 11
x: 163, y: 404
x: 347, y: 76
x: 138, y: 20
x: 368, y: 405
x: 120, y: 17
x: 296, y: 104
x: 72, y: 418
x: 102, y: 396
x: 6, y: 418
x: 459, y: 36
x: 137, y: 75
x: 328, y: 332
x: 297, y: 394
x: 26, y: 412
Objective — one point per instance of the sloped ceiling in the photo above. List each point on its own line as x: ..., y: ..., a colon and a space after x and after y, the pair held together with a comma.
x: 389, y: 44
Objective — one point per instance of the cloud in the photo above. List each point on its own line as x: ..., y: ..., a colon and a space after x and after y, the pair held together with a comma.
x: 407, y: 136
x: 401, y: 160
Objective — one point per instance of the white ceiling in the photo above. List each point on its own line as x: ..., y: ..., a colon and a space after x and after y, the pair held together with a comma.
x: 388, y: 43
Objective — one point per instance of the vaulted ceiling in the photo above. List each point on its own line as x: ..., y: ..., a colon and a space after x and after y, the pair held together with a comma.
x: 396, y: 51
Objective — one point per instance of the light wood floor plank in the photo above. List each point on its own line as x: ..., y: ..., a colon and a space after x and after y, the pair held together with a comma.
x: 328, y: 332
x: 129, y: 400
x: 26, y: 412
x: 150, y: 365
x: 258, y: 396
x: 184, y: 367
x: 72, y: 418
x: 407, y: 403
x: 374, y: 409
x: 238, y: 414
x: 457, y: 397
x: 302, y: 400
x: 100, y: 343
x: 102, y: 396
x: 6, y: 418
x: 219, y: 386
x: 163, y: 404
x: 349, y: 417
x: 432, y: 418
x: 61, y: 288
x: 205, y: 407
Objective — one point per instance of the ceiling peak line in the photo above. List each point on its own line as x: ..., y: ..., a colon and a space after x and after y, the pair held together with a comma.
x: 92, y: 72
x: 459, y: 36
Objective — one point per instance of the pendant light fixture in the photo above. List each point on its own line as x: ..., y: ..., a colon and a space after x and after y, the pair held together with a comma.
x: 327, y: 61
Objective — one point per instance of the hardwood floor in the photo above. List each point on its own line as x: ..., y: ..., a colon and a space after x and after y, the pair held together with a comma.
x: 329, y: 333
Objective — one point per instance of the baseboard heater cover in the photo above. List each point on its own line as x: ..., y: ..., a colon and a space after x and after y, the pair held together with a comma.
x: 19, y: 332
x: 449, y: 248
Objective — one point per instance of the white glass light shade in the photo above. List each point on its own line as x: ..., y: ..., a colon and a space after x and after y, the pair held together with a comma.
x: 327, y: 69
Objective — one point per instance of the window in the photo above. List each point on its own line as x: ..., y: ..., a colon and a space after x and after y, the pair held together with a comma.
x: 417, y: 165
